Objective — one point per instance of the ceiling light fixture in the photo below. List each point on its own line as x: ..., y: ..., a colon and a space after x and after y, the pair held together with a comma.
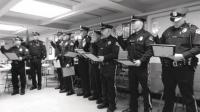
x: 37, y: 8
x: 6, y: 27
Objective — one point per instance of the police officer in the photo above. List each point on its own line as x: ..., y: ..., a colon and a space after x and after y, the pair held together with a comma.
x: 57, y: 48
x: 18, y: 66
x: 37, y: 51
x: 179, y: 69
x: 108, y: 51
x: 83, y: 63
x: 139, y: 49
x: 68, y: 45
x: 94, y: 69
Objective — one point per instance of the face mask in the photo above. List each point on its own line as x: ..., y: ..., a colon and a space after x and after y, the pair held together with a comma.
x: 175, y: 19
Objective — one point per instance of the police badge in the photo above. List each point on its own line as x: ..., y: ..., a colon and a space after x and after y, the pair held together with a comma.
x: 109, y: 42
x: 20, y: 49
x: 140, y: 38
x: 184, y: 30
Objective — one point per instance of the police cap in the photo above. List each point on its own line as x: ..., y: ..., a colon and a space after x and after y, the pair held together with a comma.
x: 68, y: 34
x: 97, y: 32
x: 36, y: 34
x: 178, y: 14
x: 137, y: 18
x: 18, y: 38
x: 105, y: 26
x: 59, y: 33
x: 83, y: 28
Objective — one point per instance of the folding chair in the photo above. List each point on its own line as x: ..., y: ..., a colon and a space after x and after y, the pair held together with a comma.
x: 155, y: 81
x: 8, y: 81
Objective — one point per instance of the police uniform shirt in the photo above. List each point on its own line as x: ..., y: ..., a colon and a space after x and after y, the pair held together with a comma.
x: 85, y: 43
x: 20, y: 51
x: 186, y: 38
x: 37, y: 48
x: 108, y: 49
x: 138, y: 45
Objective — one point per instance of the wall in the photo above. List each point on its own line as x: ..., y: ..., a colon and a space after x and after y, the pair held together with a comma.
x: 50, y: 50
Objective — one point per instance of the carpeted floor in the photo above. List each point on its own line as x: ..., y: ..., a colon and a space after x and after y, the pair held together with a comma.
x: 50, y: 100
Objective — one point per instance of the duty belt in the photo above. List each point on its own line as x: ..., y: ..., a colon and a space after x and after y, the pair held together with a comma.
x: 35, y: 57
x: 186, y: 62
x: 182, y: 63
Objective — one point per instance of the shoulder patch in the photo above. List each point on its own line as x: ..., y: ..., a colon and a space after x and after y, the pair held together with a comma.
x: 197, y: 31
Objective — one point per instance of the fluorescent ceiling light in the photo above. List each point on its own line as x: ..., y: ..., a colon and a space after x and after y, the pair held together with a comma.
x: 6, y: 27
x: 38, y: 8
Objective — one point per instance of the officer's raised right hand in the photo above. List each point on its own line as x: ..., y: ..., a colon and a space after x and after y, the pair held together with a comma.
x: 119, y: 30
x: 155, y: 29
x: 2, y: 43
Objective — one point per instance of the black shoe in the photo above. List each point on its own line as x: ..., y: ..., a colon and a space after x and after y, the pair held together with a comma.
x: 70, y: 93
x: 33, y: 87
x: 80, y: 94
x: 148, y: 110
x: 101, y: 106
x: 39, y: 88
x: 57, y: 87
x: 86, y: 95
x: 62, y: 91
x: 22, y: 92
x: 99, y: 101
x: 127, y: 110
x: 15, y: 92
x: 111, y: 108
x: 91, y: 98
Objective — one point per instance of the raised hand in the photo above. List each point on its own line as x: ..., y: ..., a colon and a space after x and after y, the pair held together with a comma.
x: 119, y: 30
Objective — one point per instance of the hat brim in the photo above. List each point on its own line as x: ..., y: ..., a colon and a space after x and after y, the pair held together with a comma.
x: 134, y: 20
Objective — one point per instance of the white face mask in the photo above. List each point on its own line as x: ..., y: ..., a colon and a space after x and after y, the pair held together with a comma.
x: 136, y: 26
x: 106, y: 33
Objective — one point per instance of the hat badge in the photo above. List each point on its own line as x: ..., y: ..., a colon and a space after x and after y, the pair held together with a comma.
x: 174, y: 13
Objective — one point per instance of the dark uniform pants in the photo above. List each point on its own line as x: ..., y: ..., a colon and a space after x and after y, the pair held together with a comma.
x: 95, y: 80
x: 139, y: 75
x: 19, y: 71
x: 84, y: 75
x: 60, y: 77
x: 68, y: 83
x: 183, y: 77
x: 108, y: 85
x: 36, y: 66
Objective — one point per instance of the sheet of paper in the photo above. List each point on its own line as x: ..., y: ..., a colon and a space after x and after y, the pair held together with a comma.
x: 71, y: 54
x: 92, y: 57
x: 12, y: 56
x: 126, y: 62
x: 162, y: 50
